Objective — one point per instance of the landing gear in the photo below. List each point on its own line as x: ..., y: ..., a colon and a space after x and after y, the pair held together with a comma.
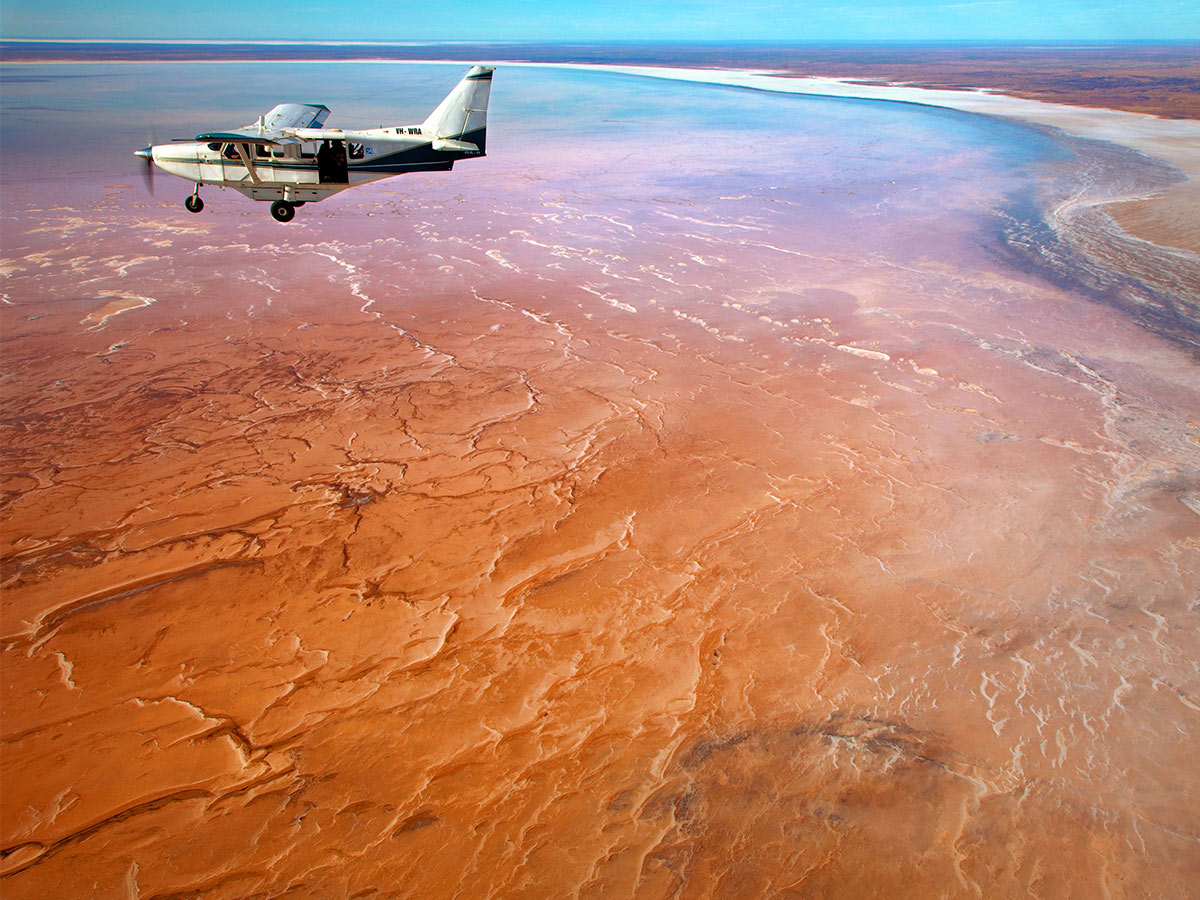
x: 283, y: 211
x: 194, y: 203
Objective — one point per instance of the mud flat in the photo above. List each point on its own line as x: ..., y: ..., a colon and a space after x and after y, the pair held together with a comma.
x: 626, y: 531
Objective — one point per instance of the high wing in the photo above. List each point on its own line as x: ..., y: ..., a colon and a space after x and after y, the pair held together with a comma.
x: 269, y: 128
x: 239, y: 137
x: 291, y: 115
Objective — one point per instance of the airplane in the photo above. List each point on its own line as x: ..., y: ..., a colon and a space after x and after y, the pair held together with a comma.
x: 289, y: 158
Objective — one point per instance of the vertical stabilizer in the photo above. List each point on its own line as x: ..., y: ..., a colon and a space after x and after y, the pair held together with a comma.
x: 462, y: 116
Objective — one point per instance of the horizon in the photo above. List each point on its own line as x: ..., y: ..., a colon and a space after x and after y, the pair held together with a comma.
x: 764, y: 42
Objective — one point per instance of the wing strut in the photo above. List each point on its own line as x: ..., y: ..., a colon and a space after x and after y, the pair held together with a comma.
x: 243, y: 151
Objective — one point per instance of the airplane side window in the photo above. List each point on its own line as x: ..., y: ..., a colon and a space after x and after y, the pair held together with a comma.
x: 357, y: 151
x: 308, y: 151
x: 260, y: 151
x: 230, y: 152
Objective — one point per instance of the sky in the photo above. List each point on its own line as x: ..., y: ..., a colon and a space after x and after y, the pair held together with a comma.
x: 606, y: 20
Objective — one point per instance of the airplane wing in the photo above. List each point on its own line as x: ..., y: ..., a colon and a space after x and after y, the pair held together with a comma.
x: 269, y: 129
x: 292, y: 115
x: 237, y: 137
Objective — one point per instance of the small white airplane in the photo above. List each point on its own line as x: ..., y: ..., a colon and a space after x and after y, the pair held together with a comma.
x: 288, y: 158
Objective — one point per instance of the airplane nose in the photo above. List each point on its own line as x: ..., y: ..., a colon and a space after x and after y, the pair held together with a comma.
x: 144, y: 153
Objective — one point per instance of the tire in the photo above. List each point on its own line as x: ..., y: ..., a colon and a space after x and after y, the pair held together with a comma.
x: 194, y: 203
x: 283, y: 211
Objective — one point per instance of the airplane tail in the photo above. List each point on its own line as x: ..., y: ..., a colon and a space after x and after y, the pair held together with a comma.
x: 462, y: 116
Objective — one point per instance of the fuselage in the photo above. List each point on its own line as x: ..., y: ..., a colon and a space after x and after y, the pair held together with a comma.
x: 321, y: 163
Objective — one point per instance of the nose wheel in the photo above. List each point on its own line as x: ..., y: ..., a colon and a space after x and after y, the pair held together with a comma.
x: 283, y: 211
x: 194, y: 203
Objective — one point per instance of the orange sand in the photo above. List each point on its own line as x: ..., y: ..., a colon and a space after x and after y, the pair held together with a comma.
x: 441, y: 577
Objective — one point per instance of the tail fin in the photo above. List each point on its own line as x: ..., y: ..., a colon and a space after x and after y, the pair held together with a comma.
x: 462, y: 116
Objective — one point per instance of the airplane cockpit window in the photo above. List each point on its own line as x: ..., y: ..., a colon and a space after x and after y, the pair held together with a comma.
x: 230, y: 152
x: 357, y: 151
x: 214, y: 146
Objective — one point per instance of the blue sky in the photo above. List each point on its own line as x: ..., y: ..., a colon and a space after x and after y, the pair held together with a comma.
x: 587, y: 20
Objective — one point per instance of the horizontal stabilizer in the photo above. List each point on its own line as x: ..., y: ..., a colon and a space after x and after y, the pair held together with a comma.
x: 457, y: 146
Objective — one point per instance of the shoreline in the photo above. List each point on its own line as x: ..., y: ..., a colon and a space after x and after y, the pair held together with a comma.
x: 1168, y: 218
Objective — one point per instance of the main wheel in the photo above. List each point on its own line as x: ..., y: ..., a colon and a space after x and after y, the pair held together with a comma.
x: 298, y: 203
x: 194, y: 203
x: 283, y: 211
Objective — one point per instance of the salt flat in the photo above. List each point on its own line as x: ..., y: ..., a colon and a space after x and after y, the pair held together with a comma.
x: 800, y: 515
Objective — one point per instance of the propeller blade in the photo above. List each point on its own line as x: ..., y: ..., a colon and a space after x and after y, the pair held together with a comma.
x: 147, y: 153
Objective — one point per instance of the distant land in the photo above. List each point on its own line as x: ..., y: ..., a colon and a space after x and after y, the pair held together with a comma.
x: 1159, y: 78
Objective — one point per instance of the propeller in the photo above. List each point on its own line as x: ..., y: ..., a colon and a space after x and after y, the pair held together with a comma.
x: 147, y: 153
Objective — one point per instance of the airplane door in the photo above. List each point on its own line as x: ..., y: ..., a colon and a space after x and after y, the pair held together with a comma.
x: 208, y: 165
x: 232, y: 165
x: 332, y: 165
